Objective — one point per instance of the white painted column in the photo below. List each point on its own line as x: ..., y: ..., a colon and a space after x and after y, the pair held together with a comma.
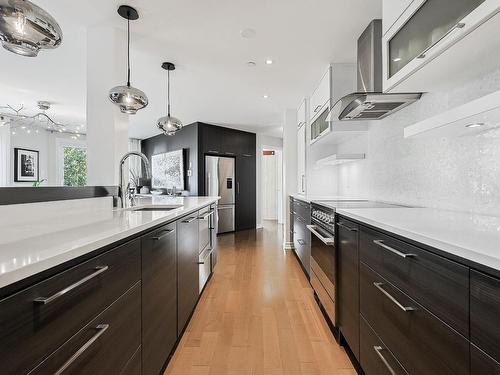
x: 289, y: 168
x: 107, y: 127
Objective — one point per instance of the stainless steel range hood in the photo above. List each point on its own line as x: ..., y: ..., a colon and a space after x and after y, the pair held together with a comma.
x: 370, y: 103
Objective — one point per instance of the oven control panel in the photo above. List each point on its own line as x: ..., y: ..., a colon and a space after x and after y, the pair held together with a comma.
x: 324, y: 217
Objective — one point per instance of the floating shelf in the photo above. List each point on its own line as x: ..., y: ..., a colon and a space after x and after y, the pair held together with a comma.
x: 340, y: 159
x: 479, y: 114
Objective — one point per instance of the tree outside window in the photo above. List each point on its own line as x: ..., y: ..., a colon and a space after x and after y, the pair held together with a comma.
x: 75, y: 166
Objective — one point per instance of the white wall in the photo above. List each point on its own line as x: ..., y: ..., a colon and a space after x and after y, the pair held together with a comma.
x: 457, y: 173
x: 270, y: 187
x: 263, y: 141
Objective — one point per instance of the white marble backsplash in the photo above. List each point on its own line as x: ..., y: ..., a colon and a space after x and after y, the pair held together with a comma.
x: 459, y: 173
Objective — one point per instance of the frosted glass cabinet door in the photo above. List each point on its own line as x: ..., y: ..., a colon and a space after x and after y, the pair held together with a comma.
x: 428, y: 25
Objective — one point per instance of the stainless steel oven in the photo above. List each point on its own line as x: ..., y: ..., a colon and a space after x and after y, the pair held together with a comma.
x: 322, y: 230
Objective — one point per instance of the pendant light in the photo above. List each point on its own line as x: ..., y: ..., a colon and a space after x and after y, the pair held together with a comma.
x: 168, y: 124
x: 25, y: 28
x: 128, y: 98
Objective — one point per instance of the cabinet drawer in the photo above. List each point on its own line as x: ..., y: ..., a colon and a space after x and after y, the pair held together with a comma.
x: 204, y: 227
x: 421, y: 342
x: 484, y: 313
x: 105, y: 345
x: 440, y: 285
x: 31, y: 330
x: 374, y: 357
x: 481, y: 363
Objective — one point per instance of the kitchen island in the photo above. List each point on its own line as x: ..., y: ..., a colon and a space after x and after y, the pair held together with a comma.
x: 104, y: 291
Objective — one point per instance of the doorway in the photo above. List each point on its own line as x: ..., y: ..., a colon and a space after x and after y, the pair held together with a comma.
x: 272, y: 184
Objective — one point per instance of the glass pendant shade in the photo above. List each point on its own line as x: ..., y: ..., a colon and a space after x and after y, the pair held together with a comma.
x: 128, y: 99
x: 169, y: 125
x: 25, y: 28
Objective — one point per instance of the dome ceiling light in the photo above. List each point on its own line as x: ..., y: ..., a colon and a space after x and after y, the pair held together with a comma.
x: 167, y: 124
x: 128, y: 98
x: 25, y: 28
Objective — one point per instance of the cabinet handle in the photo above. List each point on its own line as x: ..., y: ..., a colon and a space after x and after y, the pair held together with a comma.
x: 457, y: 26
x: 165, y: 232
x: 396, y: 302
x: 229, y: 153
x: 325, y: 240
x: 342, y: 225
x: 317, y: 108
x: 301, y: 242
x: 378, y: 350
x: 200, y: 263
x: 213, y: 151
x: 101, y: 328
x: 206, y: 216
x: 247, y: 155
x: 238, y: 187
x: 190, y: 220
x: 302, y: 183
x: 52, y: 298
x: 392, y: 250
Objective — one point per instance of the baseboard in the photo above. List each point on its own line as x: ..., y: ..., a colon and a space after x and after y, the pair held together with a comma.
x: 288, y: 246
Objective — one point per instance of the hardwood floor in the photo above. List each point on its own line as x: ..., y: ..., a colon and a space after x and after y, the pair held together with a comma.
x: 258, y: 316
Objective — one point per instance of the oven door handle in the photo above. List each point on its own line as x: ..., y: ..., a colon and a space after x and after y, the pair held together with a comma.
x: 325, y: 240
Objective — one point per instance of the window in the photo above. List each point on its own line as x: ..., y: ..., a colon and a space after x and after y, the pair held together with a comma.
x: 75, y: 166
x: 71, y: 162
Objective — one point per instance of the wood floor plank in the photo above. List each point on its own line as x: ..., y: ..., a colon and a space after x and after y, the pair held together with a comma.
x: 258, y: 316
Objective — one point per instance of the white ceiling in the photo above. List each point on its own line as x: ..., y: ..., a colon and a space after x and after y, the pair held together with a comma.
x: 212, y: 82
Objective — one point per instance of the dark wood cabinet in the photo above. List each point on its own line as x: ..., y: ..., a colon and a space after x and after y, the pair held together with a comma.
x: 439, y: 284
x: 105, y: 345
x: 246, y: 192
x: 35, y: 321
x: 348, y: 278
x: 481, y: 363
x: 485, y: 313
x: 374, y: 356
x: 159, y: 298
x: 187, y: 268
x: 419, y: 340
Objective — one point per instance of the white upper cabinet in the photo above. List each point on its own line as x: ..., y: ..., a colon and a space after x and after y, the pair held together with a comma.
x: 433, y: 43
x: 391, y: 11
x: 301, y: 114
x: 320, y: 98
x: 301, y: 159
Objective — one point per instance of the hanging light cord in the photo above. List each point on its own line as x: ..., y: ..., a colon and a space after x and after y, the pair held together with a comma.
x: 168, y: 93
x: 128, y: 49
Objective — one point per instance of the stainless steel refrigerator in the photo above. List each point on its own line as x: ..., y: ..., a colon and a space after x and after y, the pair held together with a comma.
x: 219, y: 181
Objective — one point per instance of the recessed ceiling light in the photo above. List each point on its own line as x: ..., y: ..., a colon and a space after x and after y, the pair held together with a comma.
x: 475, y: 125
x: 269, y: 62
x: 251, y: 64
x: 248, y: 33
x: 266, y: 96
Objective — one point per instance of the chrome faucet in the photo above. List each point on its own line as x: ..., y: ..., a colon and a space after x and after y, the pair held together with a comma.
x: 125, y: 191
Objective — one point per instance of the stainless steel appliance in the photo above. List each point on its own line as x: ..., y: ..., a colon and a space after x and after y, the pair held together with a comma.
x: 323, y: 253
x: 322, y: 274
x: 370, y: 103
x: 219, y: 181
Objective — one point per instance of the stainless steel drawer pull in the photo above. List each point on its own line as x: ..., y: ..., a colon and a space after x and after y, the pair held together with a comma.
x: 317, y: 108
x: 206, y: 216
x: 392, y: 250
x: 52, y: 298
x: 342, y: 225
x: 165, y: 232
x: 200, y: 263
x: 301, y: 242
x: 326, y: 240
x: 396, y: 302
x: 190, y: 220
x: 378, y: 350
x: 101, y: 328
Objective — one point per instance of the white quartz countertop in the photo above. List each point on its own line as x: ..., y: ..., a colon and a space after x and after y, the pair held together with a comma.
x: 312, y: 198
x: 49, y: 240
x: 472, y: 237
